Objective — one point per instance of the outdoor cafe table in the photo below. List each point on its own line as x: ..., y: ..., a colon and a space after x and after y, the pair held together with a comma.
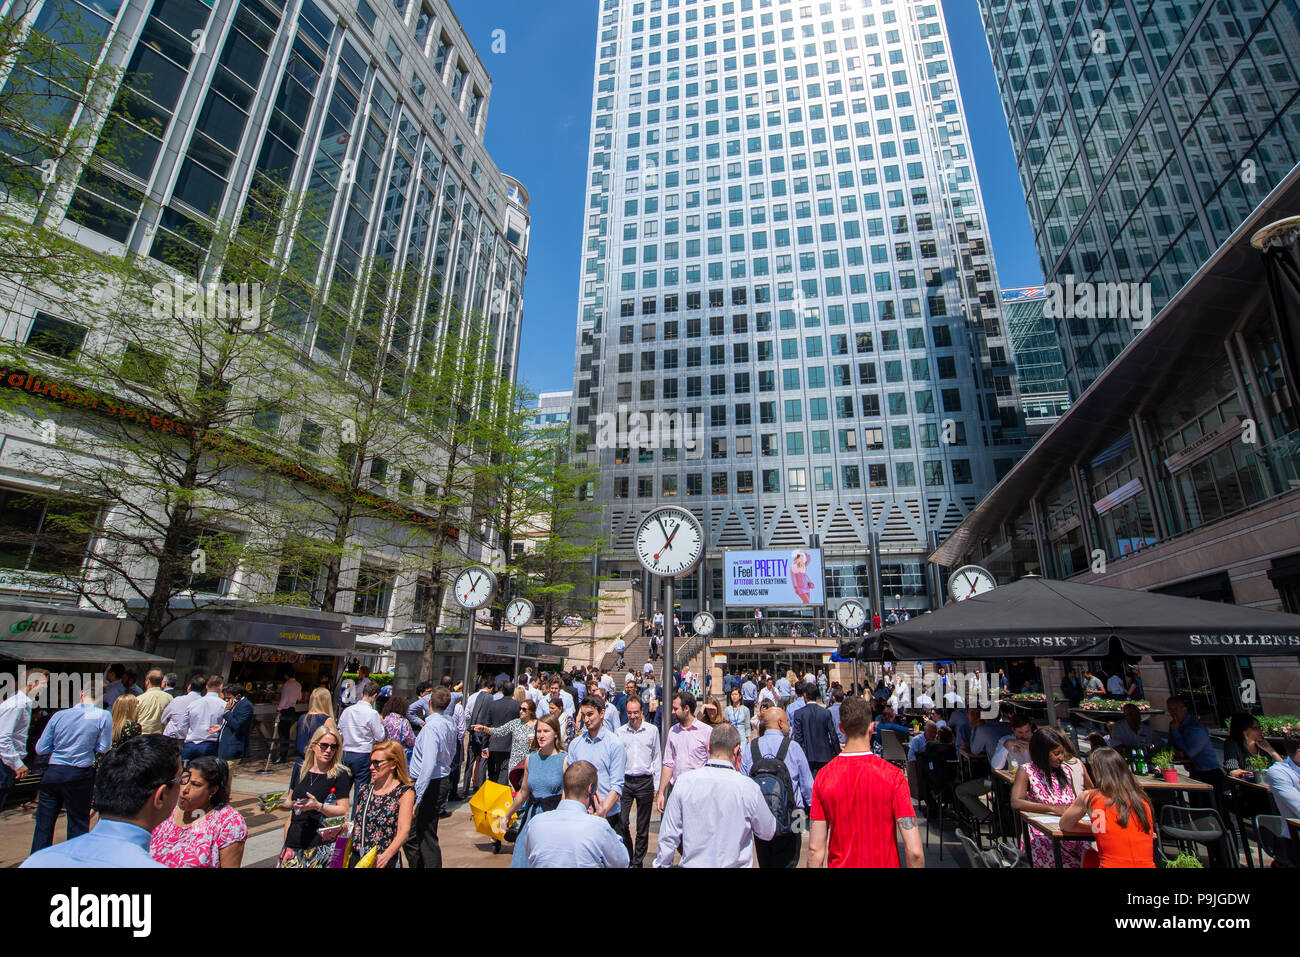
x: 1259, y: 787
x: 1149, y: 784
x: 1049, y: 824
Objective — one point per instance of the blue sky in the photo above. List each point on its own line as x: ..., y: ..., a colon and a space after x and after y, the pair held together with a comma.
x: 537, y: 131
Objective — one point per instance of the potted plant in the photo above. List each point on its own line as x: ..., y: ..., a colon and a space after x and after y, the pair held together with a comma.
x: 1185, y: 860
x: 1258, y: 764
x: 1163, y: 761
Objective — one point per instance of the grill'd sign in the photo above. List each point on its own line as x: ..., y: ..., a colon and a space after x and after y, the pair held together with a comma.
x: 783, y: 578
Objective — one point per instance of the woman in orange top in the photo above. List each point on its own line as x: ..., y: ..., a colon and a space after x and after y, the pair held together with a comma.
x: 1115, y: 812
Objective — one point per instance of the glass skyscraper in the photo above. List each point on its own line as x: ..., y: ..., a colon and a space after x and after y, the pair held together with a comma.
x: 785, y: 242
x: 1040, y: 371
x: 1145, y: 133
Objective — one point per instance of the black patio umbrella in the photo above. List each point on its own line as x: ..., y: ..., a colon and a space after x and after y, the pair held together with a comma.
x: 1039, y: 618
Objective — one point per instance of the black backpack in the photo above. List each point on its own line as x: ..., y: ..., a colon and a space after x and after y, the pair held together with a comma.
x: 773, y: 779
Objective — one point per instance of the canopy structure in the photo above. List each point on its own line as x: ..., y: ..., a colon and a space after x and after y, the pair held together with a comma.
x: 1039, y: 618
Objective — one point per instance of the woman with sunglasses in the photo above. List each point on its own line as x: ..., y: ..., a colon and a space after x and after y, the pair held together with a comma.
x: 319, y: 790
x: 204, y: 830
x: 385, y: 806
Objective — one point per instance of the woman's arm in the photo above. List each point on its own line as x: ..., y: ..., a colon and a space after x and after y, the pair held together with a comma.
x: 524, y: 792
x: 232, y: 855
x: 1019, y: 801
x: 405, y: 810
x: 1078, y: 817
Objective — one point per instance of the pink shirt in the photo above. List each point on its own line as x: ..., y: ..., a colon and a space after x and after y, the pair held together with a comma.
x: 200, y: 844
x: 289, y: 694
x: 688, y: 748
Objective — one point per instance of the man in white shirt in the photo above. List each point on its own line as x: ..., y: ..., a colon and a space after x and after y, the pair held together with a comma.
x: 715, y: 812
x: 620, y: 646
x: 768, y: 693
x: 1014, y: 747
x: 1115, y: 686
x: 607, y: 684
x: 924, y: 702
x: 640, y: 779
x: 15, y: 719
x: 1132, y: 732
x: 659, y: 623
x: 361, y: 729
x: 175, y: 717
x: 203, y: 721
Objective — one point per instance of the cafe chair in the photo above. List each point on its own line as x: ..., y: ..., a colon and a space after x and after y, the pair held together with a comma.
x: 895, y: 747
x: 936, y: 780
x: 1187, y: 827
x: 1270, y: 829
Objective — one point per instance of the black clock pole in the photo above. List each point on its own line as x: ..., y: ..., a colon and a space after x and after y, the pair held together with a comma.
x: 469, y: 651
x: 670, y: 635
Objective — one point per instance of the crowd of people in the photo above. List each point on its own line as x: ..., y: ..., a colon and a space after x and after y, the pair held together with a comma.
x: 747, y: 774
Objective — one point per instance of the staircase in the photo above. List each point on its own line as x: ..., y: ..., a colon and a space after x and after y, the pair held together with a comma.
x: 635, y: 655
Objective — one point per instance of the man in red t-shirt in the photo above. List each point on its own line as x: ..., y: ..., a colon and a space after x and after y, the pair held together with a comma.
x: 859, y: 801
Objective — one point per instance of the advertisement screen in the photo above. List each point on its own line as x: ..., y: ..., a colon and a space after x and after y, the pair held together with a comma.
x: 786, y: 577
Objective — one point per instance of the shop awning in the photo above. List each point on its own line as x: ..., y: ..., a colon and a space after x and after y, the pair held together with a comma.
x: 1041, y: 618
x: 76, y: 653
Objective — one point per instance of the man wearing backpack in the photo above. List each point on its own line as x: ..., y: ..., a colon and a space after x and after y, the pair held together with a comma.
x: 780, y: 768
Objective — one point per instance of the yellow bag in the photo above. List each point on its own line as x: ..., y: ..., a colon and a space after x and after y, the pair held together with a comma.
x: 369, y: 860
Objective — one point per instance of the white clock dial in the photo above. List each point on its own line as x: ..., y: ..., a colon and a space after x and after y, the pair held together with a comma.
x: 475, y: 587
x: 670, y: 542
x: 519, y: 612
x: 851, y: 614
x: 703, y: 623
x: 969, y: 581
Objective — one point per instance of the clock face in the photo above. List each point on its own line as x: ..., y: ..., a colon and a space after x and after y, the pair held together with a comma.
x: 519, y: 612
x: 669, y: 542
x: 475, y: 587
x: 969, y: 581
x: 851, y: 614
x: 703, y: 623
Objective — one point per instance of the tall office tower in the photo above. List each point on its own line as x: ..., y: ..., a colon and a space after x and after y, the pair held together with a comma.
x: 1145, y: 134
x: 785, y: 242
x: 1040, y: 372
x: 374, y: 113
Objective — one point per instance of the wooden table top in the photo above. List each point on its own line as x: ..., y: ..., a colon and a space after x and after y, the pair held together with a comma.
x: 1050, y: 824
x: 1256, y: 784
x: 1145, y: 781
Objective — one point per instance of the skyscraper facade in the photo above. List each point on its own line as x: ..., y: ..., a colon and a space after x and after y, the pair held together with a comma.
x: 374, y: 115
x: 1040, y: 372
x: 786, y: 253
x: 1145, y: 134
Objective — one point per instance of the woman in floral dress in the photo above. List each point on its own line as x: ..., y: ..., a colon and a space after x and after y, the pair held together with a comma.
x: 521, y: 731
x: 204, y: 830
x: 1045, y: 786
x: 385, y: 806
x: 396, y: 725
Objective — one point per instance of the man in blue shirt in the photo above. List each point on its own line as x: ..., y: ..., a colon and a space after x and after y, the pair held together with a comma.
x: 1193, y: 742
x: 569, y: 836
x: 749, y: 692
x: 600, y: 746
x: 888, y: 722
x: 784, y: 691
x: 1284, y: 778
x: 782, y: 850
x: 136, y: 790
x: 431, y: 758
x: 72, y: 738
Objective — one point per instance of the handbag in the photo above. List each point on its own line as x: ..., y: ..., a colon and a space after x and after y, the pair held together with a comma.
x: 517, y: 822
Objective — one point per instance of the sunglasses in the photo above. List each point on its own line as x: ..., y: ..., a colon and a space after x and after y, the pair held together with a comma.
x: 327, y: 747
x: 378, y: 764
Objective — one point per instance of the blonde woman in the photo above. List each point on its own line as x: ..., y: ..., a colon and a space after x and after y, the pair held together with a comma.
x: 124, y: 723
x: 320, y: 790
x: 385, y: 806
x: 320, y: 711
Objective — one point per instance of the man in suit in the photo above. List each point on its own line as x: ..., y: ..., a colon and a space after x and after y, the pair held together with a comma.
x: 480, y: 702
x: 236, y: 724
x: 814, y: 731
x: 501, y: 710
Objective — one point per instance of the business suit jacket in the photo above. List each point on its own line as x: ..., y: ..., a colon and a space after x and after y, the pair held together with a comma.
x: 236, y: 730
x: 499, y: 712
x: 814, y: 731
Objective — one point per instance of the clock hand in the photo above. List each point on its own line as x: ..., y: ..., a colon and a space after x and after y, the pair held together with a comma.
x: 667, y: 543
x: 662, y: 526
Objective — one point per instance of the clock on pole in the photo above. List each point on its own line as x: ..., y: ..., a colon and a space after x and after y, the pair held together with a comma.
x: 851, y: 614
x: 669, y: 544
x: 474, y: 588
x: 704, y: 623
x: 519, y: 613
x: 970, y: 581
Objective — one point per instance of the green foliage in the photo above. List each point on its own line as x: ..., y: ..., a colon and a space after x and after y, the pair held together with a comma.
x: 1185, y: 860
x: 380, y: 680
x: 1163, y: 760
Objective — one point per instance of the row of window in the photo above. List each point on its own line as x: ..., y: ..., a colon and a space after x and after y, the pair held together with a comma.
x: 796, y: 480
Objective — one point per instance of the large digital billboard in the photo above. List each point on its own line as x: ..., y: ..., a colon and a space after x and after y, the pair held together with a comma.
x: 788, y: 577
